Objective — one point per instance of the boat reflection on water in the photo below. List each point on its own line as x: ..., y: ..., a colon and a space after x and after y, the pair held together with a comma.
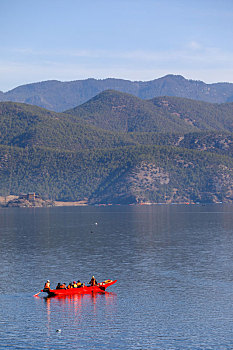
x: 76, y: 300
x: 74, y: 313
x: 78, y: 308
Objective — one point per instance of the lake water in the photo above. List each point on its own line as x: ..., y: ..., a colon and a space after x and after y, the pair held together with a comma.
x: 173, y: 264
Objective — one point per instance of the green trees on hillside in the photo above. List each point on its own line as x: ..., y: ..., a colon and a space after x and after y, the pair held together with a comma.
x: 65, y: 175
x: 63, y: 157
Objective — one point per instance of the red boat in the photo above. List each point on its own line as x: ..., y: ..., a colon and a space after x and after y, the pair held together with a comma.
x: 99, y: 288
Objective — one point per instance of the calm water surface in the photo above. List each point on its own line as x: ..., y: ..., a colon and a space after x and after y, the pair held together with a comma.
x: 174, y: 268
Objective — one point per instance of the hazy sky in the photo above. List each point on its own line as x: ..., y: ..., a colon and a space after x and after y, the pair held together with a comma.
x: 129, y: 39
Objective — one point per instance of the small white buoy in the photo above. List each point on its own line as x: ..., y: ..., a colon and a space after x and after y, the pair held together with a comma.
x: 96, y: 223
x: 58, y: 330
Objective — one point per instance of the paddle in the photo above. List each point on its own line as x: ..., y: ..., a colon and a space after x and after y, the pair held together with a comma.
x: 36, y: 295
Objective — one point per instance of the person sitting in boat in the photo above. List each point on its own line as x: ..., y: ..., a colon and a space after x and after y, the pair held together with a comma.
x: 47, y: 285
x: 58, y: 286
x: 74, y: 284
x: 79, y: 284
x: 93, y: 281
x: 63, y: 286
x: 70, y: 285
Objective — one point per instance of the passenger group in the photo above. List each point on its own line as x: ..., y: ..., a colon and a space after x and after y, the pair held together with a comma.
x: 73, y: 284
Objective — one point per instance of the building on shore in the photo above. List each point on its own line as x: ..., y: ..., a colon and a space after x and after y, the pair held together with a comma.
x: 31, y: 196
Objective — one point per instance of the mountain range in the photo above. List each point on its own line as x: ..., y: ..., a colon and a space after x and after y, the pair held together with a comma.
x: 60, y: 96
x: 119, y: 148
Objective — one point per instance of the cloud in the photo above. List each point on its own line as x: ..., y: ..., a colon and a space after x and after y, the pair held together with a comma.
x: 190, y: 53
x: 194, y: 45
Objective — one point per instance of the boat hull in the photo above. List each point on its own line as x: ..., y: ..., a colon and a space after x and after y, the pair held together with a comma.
x: 99, y: 288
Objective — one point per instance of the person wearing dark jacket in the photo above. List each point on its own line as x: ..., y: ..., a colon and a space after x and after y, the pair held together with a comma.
x: 93, y: 281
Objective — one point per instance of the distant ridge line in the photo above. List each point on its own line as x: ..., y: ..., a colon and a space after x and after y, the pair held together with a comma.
x: 60, y: 96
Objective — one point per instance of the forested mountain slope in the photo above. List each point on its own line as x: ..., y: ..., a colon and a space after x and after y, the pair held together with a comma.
x: 134, y: 174
x: 64, y: 157
x: 117, y: 111
x: 30, y: 126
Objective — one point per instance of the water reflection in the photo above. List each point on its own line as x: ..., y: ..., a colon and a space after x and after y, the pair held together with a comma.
x: 76, y: 301
x: 173, y: 264
x: 77, y: 311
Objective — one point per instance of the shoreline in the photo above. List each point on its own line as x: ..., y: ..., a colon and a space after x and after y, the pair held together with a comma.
x: 14, y: 201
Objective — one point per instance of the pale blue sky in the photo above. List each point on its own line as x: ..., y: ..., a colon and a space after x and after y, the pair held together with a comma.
x: 128, y: 39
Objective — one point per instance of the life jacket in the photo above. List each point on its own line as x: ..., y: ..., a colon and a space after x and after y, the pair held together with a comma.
x: 79, y: 284
x: 62, y: 286
x: 47, y: 285
x: 75, y: 285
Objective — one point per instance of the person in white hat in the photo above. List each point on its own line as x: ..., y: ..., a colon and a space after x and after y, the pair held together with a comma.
x: 47, y: 285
